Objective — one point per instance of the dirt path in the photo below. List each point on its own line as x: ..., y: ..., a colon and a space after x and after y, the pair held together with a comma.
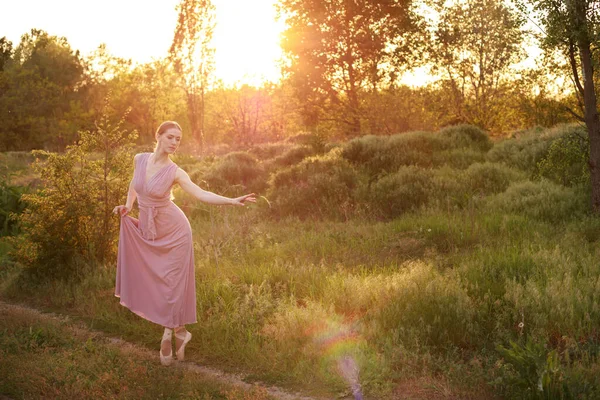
x: 139, y: 352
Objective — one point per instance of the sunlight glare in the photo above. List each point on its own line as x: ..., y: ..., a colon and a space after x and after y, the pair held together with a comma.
x: 246, y: 40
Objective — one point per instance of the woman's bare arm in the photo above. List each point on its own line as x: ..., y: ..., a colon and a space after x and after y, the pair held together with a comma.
x: 183, y: 179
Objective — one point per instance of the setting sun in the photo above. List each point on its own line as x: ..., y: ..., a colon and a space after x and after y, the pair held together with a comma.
x: 246, y: 37
x: 247, y: 41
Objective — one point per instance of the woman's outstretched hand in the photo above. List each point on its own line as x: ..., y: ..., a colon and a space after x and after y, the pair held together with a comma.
x: 240, y: 201
x: 122, y: 210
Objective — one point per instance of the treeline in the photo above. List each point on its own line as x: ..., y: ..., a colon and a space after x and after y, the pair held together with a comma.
x: 342, y: 79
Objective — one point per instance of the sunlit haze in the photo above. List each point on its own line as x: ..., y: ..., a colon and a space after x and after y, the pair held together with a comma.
x: 246, y: 37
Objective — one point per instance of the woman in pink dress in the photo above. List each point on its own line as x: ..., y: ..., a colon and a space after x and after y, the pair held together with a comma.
x: 155, y: 261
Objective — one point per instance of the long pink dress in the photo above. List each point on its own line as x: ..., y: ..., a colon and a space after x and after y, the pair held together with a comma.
x: 155, y: 261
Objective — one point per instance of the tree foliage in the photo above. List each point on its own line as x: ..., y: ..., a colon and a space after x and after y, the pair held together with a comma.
x: 572, y: 27
x: 475, y: 44
x: 336, y: 50
x: 38, y: 92
x: 193, y: 57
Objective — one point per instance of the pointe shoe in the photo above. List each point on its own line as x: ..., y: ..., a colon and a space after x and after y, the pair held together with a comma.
x: 181, y: 350
x: 166, y: 360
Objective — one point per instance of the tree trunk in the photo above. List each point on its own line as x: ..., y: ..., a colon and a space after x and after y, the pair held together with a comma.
x: 591, y: 120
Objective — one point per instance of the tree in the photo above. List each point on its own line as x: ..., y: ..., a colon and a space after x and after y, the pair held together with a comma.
x: 39, y: 94
x: 572, y: 26
x: 243, y: 115
x: 475, y: 44
x: 6, y: 50
x: 193, y: 57
x: 338, y: 49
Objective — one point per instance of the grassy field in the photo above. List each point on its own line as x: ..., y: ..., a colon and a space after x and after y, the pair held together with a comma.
x: 422, y: 266
x: 51, y: 358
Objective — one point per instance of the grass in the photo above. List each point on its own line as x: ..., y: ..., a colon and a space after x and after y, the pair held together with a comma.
x: 48, y: 358
x: 448, y: 299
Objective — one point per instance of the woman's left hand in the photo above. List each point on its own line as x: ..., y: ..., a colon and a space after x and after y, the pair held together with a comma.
x: 239, y: 201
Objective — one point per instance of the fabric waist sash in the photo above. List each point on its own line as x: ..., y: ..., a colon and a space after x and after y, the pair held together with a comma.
x: 148, y: 226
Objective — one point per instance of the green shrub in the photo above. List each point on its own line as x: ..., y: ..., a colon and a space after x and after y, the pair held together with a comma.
x: 412, y: 187
x: 467, y: 136
x: 292, y: 156
x: 317, y: 187
x: 11, y: 206
x: 528, y: 149
x: 403, y: 191
x: 488, y: 178
x: 540, y: 200
x: 269, y: 150
x: 368, y: 152
x: 235, y: 174
x: 567, y: 159
x: 457, y: 146
x: 69, y: 223
x: 458, y: 158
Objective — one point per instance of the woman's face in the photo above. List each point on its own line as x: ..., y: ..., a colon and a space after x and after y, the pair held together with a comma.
x: 169, y: 140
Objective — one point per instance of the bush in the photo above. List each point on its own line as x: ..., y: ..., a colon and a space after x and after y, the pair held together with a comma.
x: 488, y: 178
x: 11, y: 206
x: 454, y: 146
x: 528, y: 149
x: 368, y: 152
x: 292, y: 156
x: 70, y: 222
x: 458, y: 158
x: 269, y: 150
x: 317, y: 187
x: 567, y: 159
x: 406, y: 190
x: 412, y: 187
x: 235, y: 174
x: 540, y: 200
x: 467, y: 136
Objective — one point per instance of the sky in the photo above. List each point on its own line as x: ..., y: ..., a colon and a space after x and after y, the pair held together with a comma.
x: 246, y: 37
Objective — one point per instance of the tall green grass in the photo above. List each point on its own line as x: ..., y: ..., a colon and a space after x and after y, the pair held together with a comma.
x: 474, y: 273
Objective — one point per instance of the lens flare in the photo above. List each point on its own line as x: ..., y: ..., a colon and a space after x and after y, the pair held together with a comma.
x: 338, y: 344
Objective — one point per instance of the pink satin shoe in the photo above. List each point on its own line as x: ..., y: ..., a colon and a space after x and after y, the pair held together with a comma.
x: 181, y: 350
x: 166, y: 360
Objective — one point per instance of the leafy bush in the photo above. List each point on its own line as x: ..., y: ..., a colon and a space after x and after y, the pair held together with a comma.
x: 567, y: 159
x: 292, y: 156
x: 269, y: 150
x: 489, y: 178
x: 467, y: 136
x: 317, y: 187
x: 70, y: 221
x: 412, y: 187
x: 11, y: 205
x: 236, y: 173
x: 455, y: 146
x: 540, y: 200
x: 406, y: 190
x: 528, y: 149
x: 458, y: 158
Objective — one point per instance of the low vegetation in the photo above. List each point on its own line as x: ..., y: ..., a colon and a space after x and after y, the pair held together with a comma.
x: 390, y: 260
